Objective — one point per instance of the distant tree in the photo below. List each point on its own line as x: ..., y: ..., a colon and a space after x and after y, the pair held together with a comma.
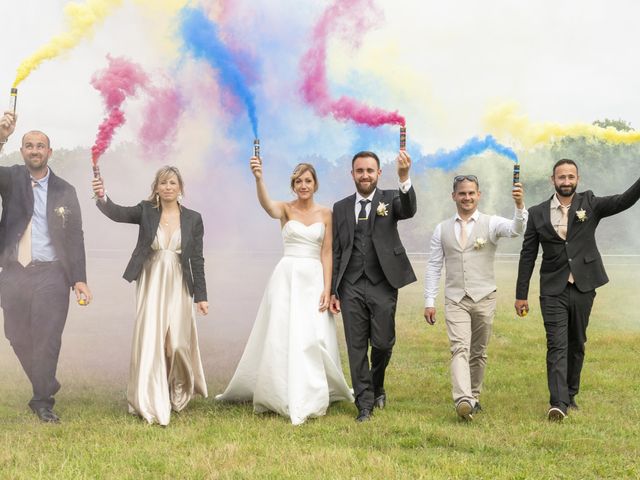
x: 620, y: 125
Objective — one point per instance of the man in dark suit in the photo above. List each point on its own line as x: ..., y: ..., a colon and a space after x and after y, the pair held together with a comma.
x: 369, y: 266
x: 42, y: 255
x: 571, y: 270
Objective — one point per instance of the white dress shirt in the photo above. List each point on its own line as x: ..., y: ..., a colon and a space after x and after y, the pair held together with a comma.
x: 498, y: 227
x: 404, y: 188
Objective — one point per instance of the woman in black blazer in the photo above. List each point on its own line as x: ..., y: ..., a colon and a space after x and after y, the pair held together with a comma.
x: 168, y: 266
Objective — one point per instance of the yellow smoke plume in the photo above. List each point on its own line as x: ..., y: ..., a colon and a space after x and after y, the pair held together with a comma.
x: 506, y: 122
x: 82, y: 19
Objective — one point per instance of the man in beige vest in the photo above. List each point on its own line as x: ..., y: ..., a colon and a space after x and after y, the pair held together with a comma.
x: 466, y: 245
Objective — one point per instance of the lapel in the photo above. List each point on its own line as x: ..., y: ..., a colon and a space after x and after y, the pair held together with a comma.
x: 351, y: 216
x: 575, y: 204
x: 546, y: 218
x: 153, y: 220
x: 54, y: 198
x: 185, y: 229
x: 375, y: 201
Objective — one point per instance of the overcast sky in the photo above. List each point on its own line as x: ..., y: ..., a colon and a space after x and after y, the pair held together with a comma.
x: 443, y: 64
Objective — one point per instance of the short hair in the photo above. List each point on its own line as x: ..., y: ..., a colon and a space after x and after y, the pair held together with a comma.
x: 161, y: 174
x: 461, y: 178
x: 564, y: 161
x: 363, y: 154
x: 300, y: 169
x: 37, y: 131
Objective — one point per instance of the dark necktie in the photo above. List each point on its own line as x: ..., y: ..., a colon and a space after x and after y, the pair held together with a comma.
x: 362, y: 216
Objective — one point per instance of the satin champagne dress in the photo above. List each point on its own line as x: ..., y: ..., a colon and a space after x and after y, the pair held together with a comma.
x: 291, y: 363
x: 166, y: 369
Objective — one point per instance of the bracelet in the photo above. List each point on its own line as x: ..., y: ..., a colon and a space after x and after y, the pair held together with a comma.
x: 2, y: 142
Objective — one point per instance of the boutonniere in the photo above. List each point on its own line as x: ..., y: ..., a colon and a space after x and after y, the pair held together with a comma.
x: 382, y: 211
x: 581, y: 215
x: 62, y: 212
x: 479, y: 243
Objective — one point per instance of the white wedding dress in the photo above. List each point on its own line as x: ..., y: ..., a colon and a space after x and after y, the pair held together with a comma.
x: 291, y: 363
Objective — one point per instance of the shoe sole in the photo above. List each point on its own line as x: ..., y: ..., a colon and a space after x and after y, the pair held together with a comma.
x: 465, y: 411
x: 555, y: 415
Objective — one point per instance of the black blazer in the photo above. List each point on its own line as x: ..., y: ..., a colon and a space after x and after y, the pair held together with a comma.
x: 63, y: 219
x: 148, y: 217
x: 384, y: 234
x: 578, y: 253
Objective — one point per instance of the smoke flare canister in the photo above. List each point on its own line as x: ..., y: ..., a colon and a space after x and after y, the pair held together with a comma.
x: 403, y: 138
x: 256, y: 148
x: 96, y: 174
x: 13, y: 99
x: 516, y: 173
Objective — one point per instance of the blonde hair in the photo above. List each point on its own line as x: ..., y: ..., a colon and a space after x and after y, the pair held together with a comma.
x: 161, y: 174
x: 300, y: 169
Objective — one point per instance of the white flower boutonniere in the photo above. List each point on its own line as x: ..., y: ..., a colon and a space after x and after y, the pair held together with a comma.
x: 479, y: 243
x: 382, y: 211
x: 62, y: 212
x: 581, y: 215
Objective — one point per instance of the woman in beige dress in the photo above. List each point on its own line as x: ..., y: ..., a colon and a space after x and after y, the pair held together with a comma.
x: 168, y: 266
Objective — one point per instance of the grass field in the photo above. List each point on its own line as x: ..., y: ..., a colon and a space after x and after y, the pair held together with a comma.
x: 417, y: 436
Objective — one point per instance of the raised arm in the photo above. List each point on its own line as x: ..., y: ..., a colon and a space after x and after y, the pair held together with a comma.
x: 610, y: 205
x: 7, y: 127
x: 115, y: 212
x: 274, y: 208
x: 405, y: 204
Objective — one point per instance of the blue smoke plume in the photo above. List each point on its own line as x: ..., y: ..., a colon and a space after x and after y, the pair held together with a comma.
x: 448, y: 160
x: 201, y: 38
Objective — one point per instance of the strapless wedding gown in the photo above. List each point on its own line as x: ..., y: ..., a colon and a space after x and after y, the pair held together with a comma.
x: 291, y: 363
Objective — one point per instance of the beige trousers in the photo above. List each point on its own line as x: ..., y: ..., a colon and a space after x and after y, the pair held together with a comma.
x: 469, y: 328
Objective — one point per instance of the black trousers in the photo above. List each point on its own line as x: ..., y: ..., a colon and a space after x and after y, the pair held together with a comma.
x: 368, y: 312
x: 35, y: 302
x: 566, y: 317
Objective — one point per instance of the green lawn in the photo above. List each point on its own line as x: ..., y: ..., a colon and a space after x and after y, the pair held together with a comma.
x: 417, y: 436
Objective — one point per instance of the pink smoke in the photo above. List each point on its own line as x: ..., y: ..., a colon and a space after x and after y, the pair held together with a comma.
x: 315, y: 89
x: 161, y: 119
x: 118, y: 81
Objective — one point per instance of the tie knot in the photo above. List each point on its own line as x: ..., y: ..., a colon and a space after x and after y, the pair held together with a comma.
x: 364, y: 202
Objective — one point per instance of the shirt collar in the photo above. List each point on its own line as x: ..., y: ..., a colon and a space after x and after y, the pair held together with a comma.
x: 555, y: 203
x: 370, y: 197
x: 44, y: 181
x: 473, y: 217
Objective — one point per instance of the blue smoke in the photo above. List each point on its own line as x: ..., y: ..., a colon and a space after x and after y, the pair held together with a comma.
x: 201, y: 38
x: 448, y: 160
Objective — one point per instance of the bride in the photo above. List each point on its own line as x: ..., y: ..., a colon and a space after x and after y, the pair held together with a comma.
x: 291, y: 363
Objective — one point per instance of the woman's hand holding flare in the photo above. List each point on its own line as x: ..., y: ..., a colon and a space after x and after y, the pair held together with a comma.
x: 98, y: 189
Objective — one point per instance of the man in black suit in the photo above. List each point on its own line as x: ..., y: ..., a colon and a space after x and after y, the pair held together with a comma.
x: 369, y: 266
x: 571, y: 270
x: 42, y: 255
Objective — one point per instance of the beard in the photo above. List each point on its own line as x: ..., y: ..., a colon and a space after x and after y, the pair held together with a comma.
x: 566, y: 191
x: 365, y: 190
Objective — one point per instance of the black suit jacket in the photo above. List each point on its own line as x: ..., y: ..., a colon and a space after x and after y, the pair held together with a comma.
x: 63, y: 218
x: 578, y: 253
x: 148, y: 217
x: 384, y: 234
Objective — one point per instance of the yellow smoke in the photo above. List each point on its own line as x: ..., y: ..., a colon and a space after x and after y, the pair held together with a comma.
x: 506, y: 122
x: 81, y: 19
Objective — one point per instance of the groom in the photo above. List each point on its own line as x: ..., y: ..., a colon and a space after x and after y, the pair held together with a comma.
x: 369, y: 266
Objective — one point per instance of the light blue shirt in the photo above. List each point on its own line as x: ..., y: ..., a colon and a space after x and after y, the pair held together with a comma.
x: 41, y: 247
